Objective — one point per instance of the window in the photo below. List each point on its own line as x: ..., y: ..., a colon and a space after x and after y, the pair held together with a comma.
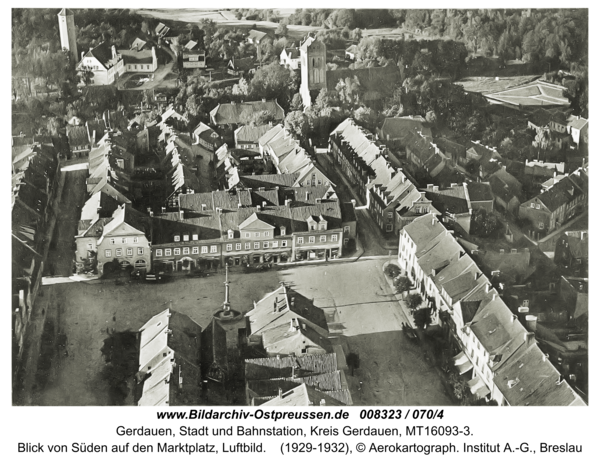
x: 247, y: 234
x: 195, y: 237
x: 129, y: 251
x: 229, y: 247
x: 311, y: 239
x: 532, y: 205
x: 204, y: 249
x: 186, y: 251
x: 124, y: 240
x: 186, y: 238
x: 300, y: 240
x: 541, y: 225
x: 284, y: 243
x: 346, y: 229
x: 247, y: 245
x: 256, y: 245
x: 112, y: 241
x: 334, y: 238
x: 267, y: 233
x: 230, y: 234
x: 136, y: 239
x: 158, y: 253
x: 390, y: 215
x: 346, y: 240
x: 140, y: 251
x: 195, y: 250
x: 275, y: 244
x: 238, y: 246
x: 537, y: 206
x: 167, y: 252
x: 213, y: 248
x: 119, y: 252
x: 257, y: 234
x: 389, y: 227
x: 107, y: 253
x: 176, y: 238
x: 265, y: 244
x: 177, y: 251
x: 323, y: 238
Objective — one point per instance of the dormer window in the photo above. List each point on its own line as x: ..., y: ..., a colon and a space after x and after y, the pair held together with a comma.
x: 186, y: 238
x: 176, y: 238
x: 194, y: 236
x: 230, y: 234
x: 282, y: 230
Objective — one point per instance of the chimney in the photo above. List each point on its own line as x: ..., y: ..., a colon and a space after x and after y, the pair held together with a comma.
x: 494, y: 296
x: 163, y: 209
x: 323, y: 402
x: 181, y: 215
x: 531, y: 322
x: 318, y: 200
x: 257, y: 207
x: 433, y: 220
x: 280, y: 392
x: 353, y: 203
x: 307, y: 196
x: 82, y: 55
x: 264, y: 204
x: 292, y: 301
x: 151, y: 213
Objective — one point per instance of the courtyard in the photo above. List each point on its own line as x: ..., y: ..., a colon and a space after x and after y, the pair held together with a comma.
x: 361, y: 311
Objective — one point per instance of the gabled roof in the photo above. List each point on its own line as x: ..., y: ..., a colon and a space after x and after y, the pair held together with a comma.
x: 303, y: 395
x: 248, y: 133
x: 103, y: 53
x: 281, y: 366
x: 214, y: 342
x: 77, y: 136
x: 530, y: 379
x: 240, y: 113
x: 138, y: 44
x: 256, y: 35
x: 480, y: 191
x: 399, y: 128
x: 424, y: 229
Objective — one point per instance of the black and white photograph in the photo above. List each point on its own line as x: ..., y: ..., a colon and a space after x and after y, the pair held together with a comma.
x: 299, y: 207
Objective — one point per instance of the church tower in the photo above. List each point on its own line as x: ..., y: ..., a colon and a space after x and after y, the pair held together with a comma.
x: 66, y: 24
x: 313, y: 69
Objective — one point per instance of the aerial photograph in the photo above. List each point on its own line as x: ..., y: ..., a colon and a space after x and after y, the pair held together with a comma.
x: 299, y: 207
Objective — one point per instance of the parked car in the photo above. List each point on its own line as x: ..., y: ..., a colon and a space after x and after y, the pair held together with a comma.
x: 258, y: 268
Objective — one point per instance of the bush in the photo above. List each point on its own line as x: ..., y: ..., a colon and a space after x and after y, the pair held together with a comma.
x: 392, y: 270
x: 422, y: 317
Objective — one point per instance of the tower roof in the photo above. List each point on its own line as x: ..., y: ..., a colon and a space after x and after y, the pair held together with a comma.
x: 65, y: 12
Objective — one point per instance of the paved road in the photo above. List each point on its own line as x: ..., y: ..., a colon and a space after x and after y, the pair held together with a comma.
x: 359, y: 304
x: 61, y: 254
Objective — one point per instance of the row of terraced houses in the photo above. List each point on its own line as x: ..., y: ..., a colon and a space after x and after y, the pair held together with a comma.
x: 507, y: 364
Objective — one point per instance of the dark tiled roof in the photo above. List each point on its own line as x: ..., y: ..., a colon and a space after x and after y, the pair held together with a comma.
x: 281, y: 366
x: 480, y: 191
x: 399, y: 128
x: 269, y: 180
x: 77, y: 136
x: 214, y: 344
x: 136, y: 56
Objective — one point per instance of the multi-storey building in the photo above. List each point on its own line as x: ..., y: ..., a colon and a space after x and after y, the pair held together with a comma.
x: 245, y: 227
x: 507, y: 364
x: 557, y: 205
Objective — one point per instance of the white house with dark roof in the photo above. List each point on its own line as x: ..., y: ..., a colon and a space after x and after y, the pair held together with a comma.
x: 104, y: 62
x: 139, y: 59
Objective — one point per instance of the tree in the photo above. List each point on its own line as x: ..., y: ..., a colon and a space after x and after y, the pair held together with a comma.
x: 392, y: 270
x: 297, y: 123
x: 484, y: 224
x: 241, y: 88
x: 414, y: 300
x: 422, y: 317
x: 281, y: 30
x: 274, y: 81
x: 297, y: 104
x: 402, y: 284
x: 431, y: 117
